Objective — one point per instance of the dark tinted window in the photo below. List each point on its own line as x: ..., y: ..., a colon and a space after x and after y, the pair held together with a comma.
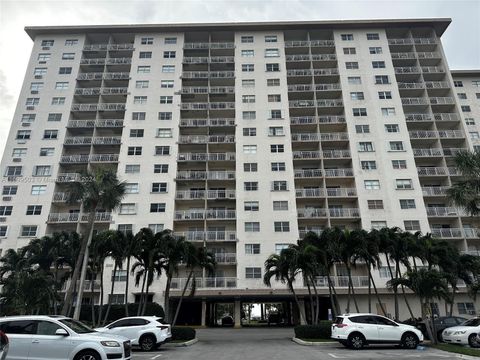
x: 19, y: 327
x: 47, y: 328
x: 138, y: 322
x: 383, y: 321
x: 472, y: 322
x: 363, y: 319
x: 449, y: 321
x: 119, y: 323
x: 338, y: 320
x: 460, y: 320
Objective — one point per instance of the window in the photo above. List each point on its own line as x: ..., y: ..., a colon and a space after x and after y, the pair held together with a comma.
x: 50, y: 134
x: 384, y: 95
x: 249, y: 132
x: 388, y: 111
x: 248, y: 67
x: 165, y: 115
x: 71, y: 42
x: 28, y: 118
x: 43, y: 57
x: 378, y: 225
x: 131, y: 188
x: 61, y: 86
x: 462, y: 96
x: 276, y: 131
x: 249, y: 149
x: 382, y: 79
x: 277, y: 148
x: 477, y: 95
x: 272, y: 67
x: 143, y: 69
x: 411, y: 225
x: 250, y: 186
x: 476, y: 83
x: 247, y: 99
x: 19, y: 152
x: 127, y: 209
x: 274, y: 98
x: 278, y: 166
x: 474, y: 135
x: 365, y: 147
x: 358, y: 95
x: 253, y: 273
x: 139, y: 99
x: 349, y: 51
x: 162, y: 150
x: 3, y: 230
x: 6, y: 210
x: 252, y: 249
x: 136, y: 133
x: 392, y: 128
x: 68, y: 56
x: 37, y: 86
x: 281, y: 226
x: 250, y: 167
x: 252, y: 227
x: 38, y: 189
x: 466, y: 108
x: 375, y: 50
x: 170, y: 40
x: 132, y: 169
x: 276, y: 114
x: 351, y: 65
x: 375, y: 204
x: 373, y: 36
x: 273, y: 82
x: 29, y: 230
x: 354, y: 80
x: 466, y: 308
x: 39, y: 72
x: 64, y: 70
x: 141, y: 84
x: 269, y: 53
x: 248, y: 53
x: 347, y: 37
x: 10, y: 190
x: 396, y: 146
x: 160, y: 168
x: 159, y: 187
x: 32, y: 101
x: 279, y: 185
x: 359, y: 111
x: 407, y: 204
x: 119, y: 275
x: 146, y: 41
x: 280, y: 205
x: 42, y: 170
x: 169, y: 55
x: 249, y: 115
x: 250, y: 205
x: 372, y: 184
x: 134, y: 150
x: 58, y: 101
x: 248, y: 82
x: 458, y: 83
x: 164, y: 133
x: 47, y: 43
x: 34, y: 210
x: 404, y: 184
x: 270, y: 38
x: 246, y: 39
x: 368, y: 165
x: 399, y: 164
x: 362, y: 129
x: 13, y: 171
x: 156, y: 227
x: 166, y: 99
x: 138, y: 115
x: 157, y: 207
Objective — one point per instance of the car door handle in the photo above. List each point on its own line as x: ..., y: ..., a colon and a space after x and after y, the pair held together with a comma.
x: 35, y: 341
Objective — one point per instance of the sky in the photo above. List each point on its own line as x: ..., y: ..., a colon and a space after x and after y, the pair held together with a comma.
x: 461, y: 40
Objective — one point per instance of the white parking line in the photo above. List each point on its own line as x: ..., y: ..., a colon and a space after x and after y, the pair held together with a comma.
x: 336, y: 356
x: 156, y: 356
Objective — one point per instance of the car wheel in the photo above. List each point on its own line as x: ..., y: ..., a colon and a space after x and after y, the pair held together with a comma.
x: 356, y: 341
x: 473, y: 341
x: 410, y: 341
x: 147, y: 342
x: 87, y: 355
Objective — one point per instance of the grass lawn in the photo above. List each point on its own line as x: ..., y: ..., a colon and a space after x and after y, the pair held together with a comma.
x: 458, y: 349
x: 317, y: 340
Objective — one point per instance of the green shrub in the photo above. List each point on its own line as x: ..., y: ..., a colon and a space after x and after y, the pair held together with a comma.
x: 117, y: 311
x: 183, y: 333
x: 321, y: 331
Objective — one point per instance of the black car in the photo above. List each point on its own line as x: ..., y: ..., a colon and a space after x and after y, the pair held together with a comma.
x: 441, y: 323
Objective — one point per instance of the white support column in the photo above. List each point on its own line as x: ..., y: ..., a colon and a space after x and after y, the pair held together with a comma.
x: 204, y: 312
x: 238, y: 314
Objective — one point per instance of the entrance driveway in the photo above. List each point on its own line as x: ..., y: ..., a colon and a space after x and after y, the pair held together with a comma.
x: 276, y: 344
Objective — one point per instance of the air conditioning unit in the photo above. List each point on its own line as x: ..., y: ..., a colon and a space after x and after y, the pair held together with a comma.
x: 3, y: 219
x: 17, y: 159
x: 45, y: 47
x: 38, y: 76
x: 26, y: 124
x: 34, y: 92
x: 42, y: 62
x: 7, y: 198
x: 30, y: 107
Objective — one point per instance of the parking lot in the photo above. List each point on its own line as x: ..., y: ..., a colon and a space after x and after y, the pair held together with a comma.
x: 276, y: 344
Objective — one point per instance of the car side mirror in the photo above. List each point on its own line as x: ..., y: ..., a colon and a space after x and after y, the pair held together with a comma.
x: 61, y: 332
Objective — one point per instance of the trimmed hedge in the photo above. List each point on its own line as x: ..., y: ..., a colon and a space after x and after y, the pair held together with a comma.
x: 183, y: 333
x: 321, y: 331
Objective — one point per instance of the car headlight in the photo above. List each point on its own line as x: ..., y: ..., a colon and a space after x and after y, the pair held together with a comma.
x: 110, y: 343
x: 460, y: 332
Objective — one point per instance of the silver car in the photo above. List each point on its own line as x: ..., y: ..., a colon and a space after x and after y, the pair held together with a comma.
x: 4, y: 344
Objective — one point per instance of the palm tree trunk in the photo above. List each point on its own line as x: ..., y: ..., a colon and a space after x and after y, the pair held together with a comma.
x: 145, y: 300
x: 452, y: 301
x: 139, y: 308
x: 126, y: 286
x: 369, y: 289
x: 166, y: 303
x: 310, y: 298
x: 335, y: 303
x: 350, y: 282
x: 100, y: 309
x: 92, y: 287
x: 290, y: 286
x: 395, y: 289
x: 179, y: 305
x: 107, y: 312
x: 317, y: 302
x: 376, y: 293
x: 405, y: 297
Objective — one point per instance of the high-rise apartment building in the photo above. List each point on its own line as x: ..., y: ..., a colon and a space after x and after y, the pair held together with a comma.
x: 243, y: 137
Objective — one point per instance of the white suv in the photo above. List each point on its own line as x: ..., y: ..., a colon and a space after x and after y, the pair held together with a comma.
x: 148, y: 332
x: 357, y: 330
x: 60, y: 338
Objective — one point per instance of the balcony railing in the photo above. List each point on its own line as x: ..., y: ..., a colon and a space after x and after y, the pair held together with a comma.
x: 78, y: 140
x: 336, y: 154
x: 422, y: 134
x: 432, y: 69
x: 208, y: 106
x: 205, y: 214
x: 204, y: 139
x: 312, y: 57
x: 406, y: 69
x: 209, y: 45
x: 309, y: 193
x: 208, y: 74
x: 75, y: 217
x: 442, y: 101
x: 442, y: 211
x: 208, y: 90
x: 342, y: 281
x: 436, y: 171
x: 452, y: 151
x: 101, y: 91
x: 321, y: 213
x: 338, y: 172
x: 437, y: 84
x: 98, y: 107
x: 427, y: 152
x: 79, y: 158
x: 208, y: 235
x: 68, y: 177
x: 313, y: 72
x: 311, y: 43
x: 429, y: 55
x: 104, y: 76
x: 446, y: 117
x: 411, y: 85
x: 311, y: 213
x: 226, y: 258
x: 60, y: 197
x: 318, y: 87
x: 205, y: 175
x: 450, y: 233
x: 85, y: 140
x: 206, y: 283
x: 306, y: 120
x: 202, y: 194
x: 105, y: 123
x: 206, y: 157
x: 424, y: 41
x: 103, y: 158
x: 435, y: 190
x: 97, y: 47
x: 344, y: 213
x: 418, y: 117
x: 308, y: 173
x: 414, y: 101
x: 87, y: 285
x: 408, y: 41
x: 341, y: 192
x: 108, y: 61
x: 206, y: 60
x: 403, y: 55
x: 207, y: 122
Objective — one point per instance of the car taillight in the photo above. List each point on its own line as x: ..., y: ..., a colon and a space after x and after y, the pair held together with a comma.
x: 341, y: 325
x: 163, y: 327
x: 3, y: 338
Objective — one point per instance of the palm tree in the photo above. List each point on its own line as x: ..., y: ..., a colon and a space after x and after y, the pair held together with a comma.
x: 103, y: 190
x: 131, y: 249
x: 194, y: 258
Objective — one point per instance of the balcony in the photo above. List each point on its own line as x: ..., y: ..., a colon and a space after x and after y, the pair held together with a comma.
x: 206, y: 283
x: 87, y: 285
x: 105, y: 61
x: 424, y: 41
x: 437, y: 84
x: 311, y: 213
x: 452, y: 151
x: 307, y: 120
x: 450, y: 233
x: 432, y: 69
x: 78, y: 140
x: 104, y: 76
x: 68, y: 177
x: 205, y: 215
x: 99, y: 47
x: 312, y: 72
x: 311, y: 43
x: 313, y: 103
x: 336, y: 154
x: 85, y: 140
x: 209, y: 235
x: 342, y: 281
x: 442, y: 101
x: 414, y: 101
x: 341, y: 192
x: 208, y: 75
x: 446, y: 117
x: 312, y: 57
x: 338, y: 172
x: 411, y: 85
x: 206, y: 60
x: 226, y: 258
x: 206, y: 139
x: 75, y: 159
x: 306, y: 155
x: 427, y: 152
x: 308, y: 173
x: 344, y: 213
x: 209, y: 45
x: 101, y: 91
x: 435, y: 171
x: 418, y: 117
x: 75, y: 217
x: 442, y: 211
x: 60, y: 197
x: 208, y: 90
x: 205, y: 194
x: 429, y: 55
x: 435, y: 190
x: 202, y: 157
x: 98, y: 107
x: 208, y: 106
x: 309, y: 193
x: 220, y: 122
x: 423, y: 134
x: 406, y: 69
x: 408, y: 41
x: 104, y: 123
x: 318, y: 87
x: 403, y: 55
x: 205, y: 175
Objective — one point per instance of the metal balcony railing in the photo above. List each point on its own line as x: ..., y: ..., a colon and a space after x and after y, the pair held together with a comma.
x: 208, y: 106
x: 208, y: 90
x: 406, y: 69
x: 107, y: 140
x: 68, y: 177
x: 446, y: 117
x: 306, y: 120
x: 306, y: 155
x: 311, y: 43
x: 338, y: 172
x: 80, y: 158
x: 452, y: 151
x: 442, y: 211
x: 206, y: 157
x: 104, y: 76
x: 78, y: 140
x: 342, y: 281
x: 60, y: 197
x: 403, y: 55
x: 312, y: 57
x: 105, y: 123
x: 429, y: 55
x: 427, y: 152
x: 101, y: 91
x: 432, y: 171
x: 98, y: 47
x: 308, y: 173
x: 205, y: 214
x: 344, y: 212
x: 408, y: 41
x: 450, y: 233
x: 311, y: 213
x: 204, y: 194
x: 204, y: 139
x: 98, y: 107
x: 206, y: 60
x: 437, y: 84
x: 208, y: 74
x: 226, y: 258
x: 432, y: 69
x: 442, y: 101
x: 341, y: 192
x: 87, y: 285
x: 206, y: 283
x: 205, y: 175
x: 411, y: 85
x: 75, y: 217
x: 317, y: 87
x: 336, y: 154
x: 314, y: 72
x: 207, y: 122
x: 209, y: 45
x: 434, y: 190
x: 418, y: 117
x: 305, y: 231
x: 423, y: 134
x: 423, y: 41
x: 414, y: 101
x: 81, y: 123
x: 209, y: 235
x: 103, y: 158
x: 309, y: 193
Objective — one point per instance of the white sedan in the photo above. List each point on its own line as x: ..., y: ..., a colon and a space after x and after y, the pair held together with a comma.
x: 147, y: 332
x: 464, y: 334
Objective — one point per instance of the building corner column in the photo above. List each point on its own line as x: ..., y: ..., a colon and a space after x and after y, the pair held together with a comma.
x: 238, y: 314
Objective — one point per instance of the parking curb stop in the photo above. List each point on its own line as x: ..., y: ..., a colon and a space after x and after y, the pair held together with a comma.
x: 312, y: 343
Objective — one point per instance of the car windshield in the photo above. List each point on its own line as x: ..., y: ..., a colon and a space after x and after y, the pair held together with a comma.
x: 471, y: 322
x: 76, y: 326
